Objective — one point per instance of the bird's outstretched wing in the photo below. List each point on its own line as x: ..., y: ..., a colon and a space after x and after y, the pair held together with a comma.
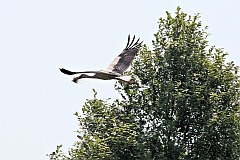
x: 123, y: 60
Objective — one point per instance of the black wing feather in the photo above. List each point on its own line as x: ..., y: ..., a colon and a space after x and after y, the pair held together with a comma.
x: 131, y: 42
x: 123, y: 60
x: 128, y: 41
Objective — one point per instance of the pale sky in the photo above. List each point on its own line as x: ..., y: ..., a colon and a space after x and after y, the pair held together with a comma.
x: 37, y: 37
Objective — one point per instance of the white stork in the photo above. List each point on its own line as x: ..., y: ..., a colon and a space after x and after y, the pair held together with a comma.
x: 116, y: 69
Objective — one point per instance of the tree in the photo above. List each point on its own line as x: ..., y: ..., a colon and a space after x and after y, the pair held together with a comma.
x: 185, y: 104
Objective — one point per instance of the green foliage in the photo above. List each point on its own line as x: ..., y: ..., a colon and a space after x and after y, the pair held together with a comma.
x: 184, y: 106
x: 106, y: 131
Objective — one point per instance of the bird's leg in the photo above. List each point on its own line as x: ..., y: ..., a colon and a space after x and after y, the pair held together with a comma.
x: 75, y: 79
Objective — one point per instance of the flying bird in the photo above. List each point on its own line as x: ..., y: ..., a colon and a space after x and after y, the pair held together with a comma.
x: 116, y: 69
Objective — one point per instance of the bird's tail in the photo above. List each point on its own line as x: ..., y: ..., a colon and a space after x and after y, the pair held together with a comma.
x: 67, y: 71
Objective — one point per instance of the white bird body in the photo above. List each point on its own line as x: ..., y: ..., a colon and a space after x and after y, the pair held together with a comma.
x: 116, y: 69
